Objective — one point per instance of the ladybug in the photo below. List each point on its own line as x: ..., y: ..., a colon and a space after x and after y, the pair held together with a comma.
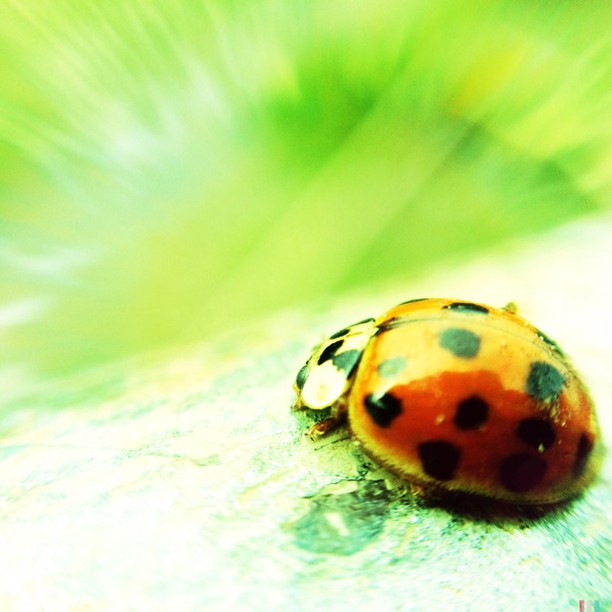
x: 458, y: 397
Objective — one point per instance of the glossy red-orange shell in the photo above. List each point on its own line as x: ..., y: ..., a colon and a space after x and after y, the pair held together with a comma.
x: 474, y: 399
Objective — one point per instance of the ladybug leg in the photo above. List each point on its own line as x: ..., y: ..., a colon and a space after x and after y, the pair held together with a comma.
x: 297, y: 405
x: 322, y: 428
x: 337, y: 418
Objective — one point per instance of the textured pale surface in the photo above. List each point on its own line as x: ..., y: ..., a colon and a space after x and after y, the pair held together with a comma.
x: 184, y: 482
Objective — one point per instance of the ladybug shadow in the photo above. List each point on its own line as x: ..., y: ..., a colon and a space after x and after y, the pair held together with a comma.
x: 487, y: 510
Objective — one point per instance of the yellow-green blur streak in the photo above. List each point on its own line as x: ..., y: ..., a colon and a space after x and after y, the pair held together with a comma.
x: 169, y: 168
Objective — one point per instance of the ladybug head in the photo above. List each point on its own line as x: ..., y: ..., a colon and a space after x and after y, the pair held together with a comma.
x: 326, y: 376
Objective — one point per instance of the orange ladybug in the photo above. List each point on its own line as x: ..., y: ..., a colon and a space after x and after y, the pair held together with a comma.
x: 458, y: 396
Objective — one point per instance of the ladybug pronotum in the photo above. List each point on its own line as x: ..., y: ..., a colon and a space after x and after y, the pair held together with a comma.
x: 458, y: 396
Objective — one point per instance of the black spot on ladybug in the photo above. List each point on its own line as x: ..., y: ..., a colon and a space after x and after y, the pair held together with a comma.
x: 301, y: 377
x: 522, y: 472
x: 472, y: 412
x: 345, y: 330
x: 544, y: 381
x: 555, y: 347
x: 413, y: 301
x: 383, y: 408
x: 537, y: 433
x: 461, y: 342
x: 585, y: 446
x: 340, y: 333
x: 368, y: 320
x: 466, y: 307
x: 392, y: 366
x: 329, y: 351
x: 347, y: 361
x: 439, y: 459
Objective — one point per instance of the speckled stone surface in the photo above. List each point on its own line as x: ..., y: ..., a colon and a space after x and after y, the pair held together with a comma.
x: 182, y: 481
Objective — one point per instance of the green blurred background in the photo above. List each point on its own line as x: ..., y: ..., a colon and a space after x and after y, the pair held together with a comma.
x: 168, y: 169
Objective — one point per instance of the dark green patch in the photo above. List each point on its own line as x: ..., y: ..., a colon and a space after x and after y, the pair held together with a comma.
x: 467, y: 307
x: 413, y: 301
x: 392, y: 366
x: 544, y: 381
x: 301, y: 377
x: 347, y: 361
x: 343, y: 524
x: 461, y: 342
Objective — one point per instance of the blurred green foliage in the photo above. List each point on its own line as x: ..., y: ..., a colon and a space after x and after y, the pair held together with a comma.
x: 170, y: 168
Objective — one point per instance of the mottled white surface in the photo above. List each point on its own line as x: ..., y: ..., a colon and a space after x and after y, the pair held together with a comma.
x: 182, y: 481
